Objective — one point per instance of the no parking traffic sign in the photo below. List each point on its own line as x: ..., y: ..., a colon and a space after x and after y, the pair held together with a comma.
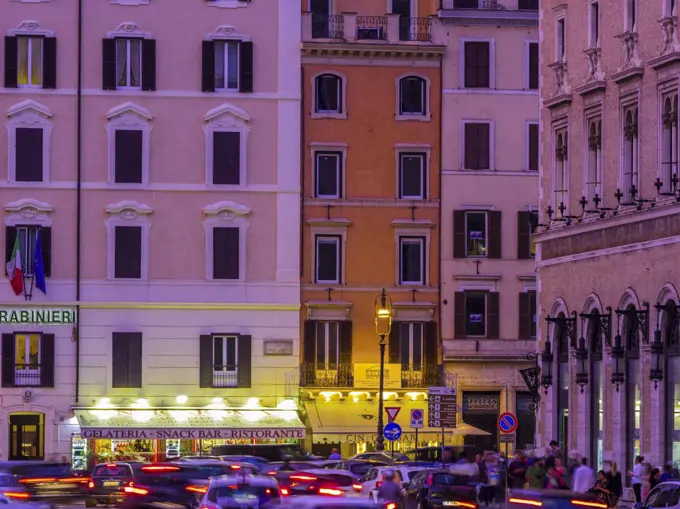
x: 417, y: 415
x: 507, y: 422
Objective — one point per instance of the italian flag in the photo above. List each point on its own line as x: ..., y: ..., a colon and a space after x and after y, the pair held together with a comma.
x: 14, y: 272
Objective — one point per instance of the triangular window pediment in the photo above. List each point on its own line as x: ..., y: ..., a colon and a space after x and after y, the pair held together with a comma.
x: 227, y: 115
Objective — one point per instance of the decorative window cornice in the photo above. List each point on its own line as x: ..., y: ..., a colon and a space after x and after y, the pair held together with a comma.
x: 226, y: 110
x: 129, y: 29
x: 225, y: 210
x: 130, y: 2
x: 228, y: 4
x: 28, y: 210
x: 33, y: 115
x: 128, y: 210
x: 30, y: 27
x: 227, y: 32
x: 128, y: 108
x: 31, y: 111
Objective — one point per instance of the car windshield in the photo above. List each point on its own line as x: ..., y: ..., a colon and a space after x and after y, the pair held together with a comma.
x: 62, y: 470
x: 448, y: 480
x: 112, y: 471
x: 360, y: 468
x: 412, y: 474
x: 242, y: 495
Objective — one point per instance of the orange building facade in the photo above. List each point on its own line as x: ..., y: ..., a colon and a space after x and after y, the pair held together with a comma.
x: 371, y: 214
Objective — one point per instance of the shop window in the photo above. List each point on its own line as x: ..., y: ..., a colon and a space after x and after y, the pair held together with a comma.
x: 526, y: 420
x: 225, y: 355
x: 26, y: 436
x: 481, y: 410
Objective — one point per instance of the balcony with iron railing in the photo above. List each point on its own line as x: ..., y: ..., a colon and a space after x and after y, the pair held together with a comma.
x: 522, y: 12
x: 350, y: 27
x: 341, y: 375
x: 27, y: 375
x: 225, y: 376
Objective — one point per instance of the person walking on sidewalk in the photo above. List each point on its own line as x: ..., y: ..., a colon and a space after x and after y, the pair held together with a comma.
x: 584, y: 478
x: 636, y: 478
x: 615, y: 483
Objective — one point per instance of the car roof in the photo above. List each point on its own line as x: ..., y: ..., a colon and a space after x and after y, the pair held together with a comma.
x: 228, y: 480
x: 321, y: 501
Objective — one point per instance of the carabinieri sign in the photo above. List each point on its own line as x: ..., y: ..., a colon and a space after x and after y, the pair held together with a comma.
x: 41, y: 316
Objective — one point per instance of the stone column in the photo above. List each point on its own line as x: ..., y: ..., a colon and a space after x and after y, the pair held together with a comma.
x: 393, y: 28
x: 350, y: 26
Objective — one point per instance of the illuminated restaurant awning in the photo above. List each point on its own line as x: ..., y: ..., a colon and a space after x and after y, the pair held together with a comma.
x: 189, y: 423
x: 349, y: 421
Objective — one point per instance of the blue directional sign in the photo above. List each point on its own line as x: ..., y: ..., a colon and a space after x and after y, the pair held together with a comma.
x: 507, y: 422
x: 392, y: 431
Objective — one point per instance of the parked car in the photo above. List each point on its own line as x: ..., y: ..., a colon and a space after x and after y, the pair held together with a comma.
x: 372, y: 479
x: 107, y: 482
x: 438, y: 488
x: 241, y: 492
x: 39, y: 480
x: 385, y: 457
x: 563, y: 499
x: 358, y: 467
x: 345, y: 481
x: 318, y: 482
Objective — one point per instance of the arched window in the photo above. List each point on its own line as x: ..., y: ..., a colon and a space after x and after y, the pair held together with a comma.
x: 594, y: 174
x: 631, y: 340
x: 671, y: 341
x: 412, y: 96
x: 594, y: 344
x: 669, y: 144
x: 562, y: 382
x: 630, y: 157
x: 560, y: 172
x: 328, y: 92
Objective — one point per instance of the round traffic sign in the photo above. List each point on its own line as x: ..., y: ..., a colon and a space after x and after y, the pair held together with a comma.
x: 507, y: 422
x: 392, y: 431
x: 416, y: 414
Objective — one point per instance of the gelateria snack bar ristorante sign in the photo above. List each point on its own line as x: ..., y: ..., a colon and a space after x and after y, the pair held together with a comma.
x: 38, y: 316
x: 194, y: 434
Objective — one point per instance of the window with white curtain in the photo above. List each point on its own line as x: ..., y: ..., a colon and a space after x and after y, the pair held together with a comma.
x: 128, y: 63
x: 631, y: 146
x: 560, y: 170
x: 594, y: 173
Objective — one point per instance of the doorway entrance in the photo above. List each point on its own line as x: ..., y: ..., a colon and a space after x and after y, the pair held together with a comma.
x: 26, y: 436
x: 403, y: 8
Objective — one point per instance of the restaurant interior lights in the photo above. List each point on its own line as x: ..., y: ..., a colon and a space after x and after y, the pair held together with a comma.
x: 181, y: 399
x: 104, y: 414
x: 329, y: 395
x: 141, y: 415
x: 359, y: 395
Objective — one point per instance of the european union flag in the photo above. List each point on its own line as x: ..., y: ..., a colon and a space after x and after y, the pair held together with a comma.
x: 38, y: 266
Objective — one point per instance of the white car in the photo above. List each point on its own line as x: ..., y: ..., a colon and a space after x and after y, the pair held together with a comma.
x: 371, y: 481
x: 244, y: 491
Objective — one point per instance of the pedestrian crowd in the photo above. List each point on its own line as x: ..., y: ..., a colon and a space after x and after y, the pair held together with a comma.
x: 548, y: 470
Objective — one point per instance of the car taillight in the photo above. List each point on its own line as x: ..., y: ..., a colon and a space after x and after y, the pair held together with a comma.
x: 585, y: 503
x: 236, y: 467
x: 377, y: 484
x: 16, y: 495
x: 37, y: 480
x: 196, y: 489
x: 131, y: 490
x: 159, y: 468
x: 526, y: 501
x: 285, y: 492
x: 458, y: 503
x: 90, y: 484
x: 302, y: 478
x: 273, y: 472
x: 391, y: 505
x: 330, y: 491
x: 357, y: 487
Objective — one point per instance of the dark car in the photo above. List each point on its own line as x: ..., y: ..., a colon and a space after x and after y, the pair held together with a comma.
x: 358, y: 467
x: 167, y: 485
x: 437, y: 488
x: 555, y: 499
x: 308, y: 483
x: 36, y: 480
x: 107, y: 482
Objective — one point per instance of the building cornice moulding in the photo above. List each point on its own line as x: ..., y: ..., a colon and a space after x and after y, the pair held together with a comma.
x: 29, y: 203
x: 128, y: 208
x: 227, y: 32
x: 130, y: 2
x: 368, y: 50
x: 129, y: 107
x: 127, y: 29
x: 340, y: 222
x: 418, y: 223
x: 227, y: 109
x: 29, y: 104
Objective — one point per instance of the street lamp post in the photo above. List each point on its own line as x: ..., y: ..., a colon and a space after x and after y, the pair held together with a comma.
x: 383, y: 326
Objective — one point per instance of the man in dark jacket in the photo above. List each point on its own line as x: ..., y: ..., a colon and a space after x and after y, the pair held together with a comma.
x: 389, y: 490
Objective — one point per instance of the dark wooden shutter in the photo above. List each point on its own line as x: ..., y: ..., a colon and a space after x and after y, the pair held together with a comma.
x: 394, y: 344
x: 459, y: 315
x: 523, y: 235
x: 226, y: 158
x: 29, y: 154
x: 128, y: 154
x: 127, y: 252
x: 8, y: 360
x: 533, y: 147
x: 471, y: 147
x: 226, y: 253
x: 109, y: 64
x: 46, y: 243
x: 525, y: 315
x: 484, y: 146
x: 470, y: 76
x: 245, y: 69
x: 345, y: 374
x: 533, y: 65
x: 148, y: 64
x: 245, y: 355
x: 495, y: 233
x: 205, y: 368
x: 483, y: 64
x: 11, y: 62
x: 10, y: 238
x: 459, y: 241
x: 119, y: 360
x: 492, y: 321
x: 308, y: 369
x: 47, y: 360
x: 49, y: 63
x: 431, y: 354
x: 135, y: 359
x: 208, y: 67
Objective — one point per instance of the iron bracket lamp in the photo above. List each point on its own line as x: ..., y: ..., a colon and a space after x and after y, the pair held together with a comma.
x: 657, y: 345
x: 640, y: 319
x: 617, y: 359
x: 602, y: 323
x: 383, y: 327
x: 547, y: 364
x: 532, y: 379
x: 566, y: 326
x: 639, y: 324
